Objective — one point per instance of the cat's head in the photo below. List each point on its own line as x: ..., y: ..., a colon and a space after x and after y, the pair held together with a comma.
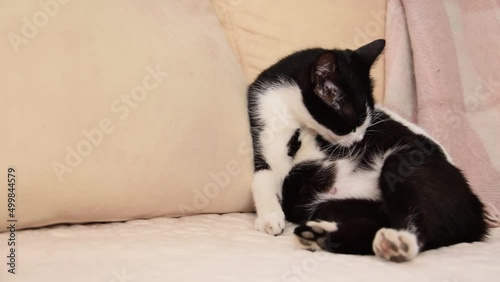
x: 339, y: 93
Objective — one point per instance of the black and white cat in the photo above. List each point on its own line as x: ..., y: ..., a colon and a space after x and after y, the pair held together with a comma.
x: 356, y: 177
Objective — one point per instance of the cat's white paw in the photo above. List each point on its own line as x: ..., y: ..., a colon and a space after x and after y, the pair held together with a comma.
x: 394, y: 245
x: 271, y: 223
x: 311, y: 236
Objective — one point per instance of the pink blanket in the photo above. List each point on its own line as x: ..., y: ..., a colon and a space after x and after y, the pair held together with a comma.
x: 443, y: 73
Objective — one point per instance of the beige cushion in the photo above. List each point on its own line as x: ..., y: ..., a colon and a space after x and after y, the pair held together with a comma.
x: 262, y: 31
x: 114, y: 110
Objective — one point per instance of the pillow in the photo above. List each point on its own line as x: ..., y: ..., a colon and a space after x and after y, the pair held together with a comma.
x: 260, y: 32
x: 115, y: 110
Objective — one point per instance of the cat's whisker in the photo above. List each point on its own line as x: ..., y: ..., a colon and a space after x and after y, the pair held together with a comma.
x: 383, y: 174
x: 380, y: 121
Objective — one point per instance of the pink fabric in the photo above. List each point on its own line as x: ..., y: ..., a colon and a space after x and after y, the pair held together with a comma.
x: 452, y: 47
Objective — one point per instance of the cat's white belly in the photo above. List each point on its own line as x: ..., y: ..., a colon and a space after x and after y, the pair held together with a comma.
x: 349, y: 182
x: 354, y: 184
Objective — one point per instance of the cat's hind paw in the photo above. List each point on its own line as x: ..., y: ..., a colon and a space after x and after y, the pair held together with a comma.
x: 272, y: 223
x: 311, y: 236
x: 394, y: 245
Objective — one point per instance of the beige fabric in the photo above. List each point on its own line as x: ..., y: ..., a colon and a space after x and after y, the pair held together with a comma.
x: 262, y: 31
x: 140, y: 105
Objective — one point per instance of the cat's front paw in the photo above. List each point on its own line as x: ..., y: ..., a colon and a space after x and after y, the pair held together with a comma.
x: 271, y: 223
x: 394, y: 245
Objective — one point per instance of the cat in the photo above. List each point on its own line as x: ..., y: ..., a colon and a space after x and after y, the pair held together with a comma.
x: 357, y: 178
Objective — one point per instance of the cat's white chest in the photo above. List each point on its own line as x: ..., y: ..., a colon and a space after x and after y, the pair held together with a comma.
x: 352, y: 183
x: 349, y: 181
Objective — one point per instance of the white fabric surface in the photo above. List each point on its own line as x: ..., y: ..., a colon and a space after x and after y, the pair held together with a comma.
x: 221, y: 248
x: 139, y: 105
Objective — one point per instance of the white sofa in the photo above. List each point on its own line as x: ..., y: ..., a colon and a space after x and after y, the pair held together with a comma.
x: 177, y: 155
x: 222, y: 248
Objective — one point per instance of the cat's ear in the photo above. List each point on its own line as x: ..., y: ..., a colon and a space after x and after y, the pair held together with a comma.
x: 325, y: 67
x: 324, y: 77
x: 371, y: 51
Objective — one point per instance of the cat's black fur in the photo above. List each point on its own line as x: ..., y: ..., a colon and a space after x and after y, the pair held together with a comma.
x: 298, y: 67
x: 420, y: 188
x: 416, y: 182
